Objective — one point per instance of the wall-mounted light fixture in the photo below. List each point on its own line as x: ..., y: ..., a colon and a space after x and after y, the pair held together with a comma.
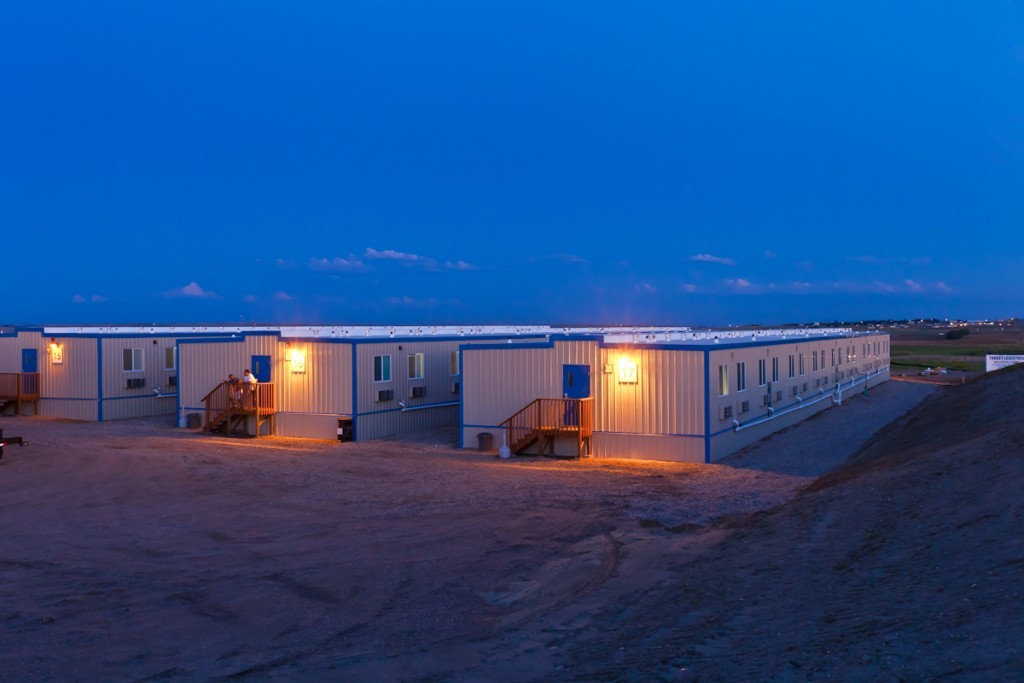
x: 627, y: 371
x: 296, y: 358
x: 56, y: 352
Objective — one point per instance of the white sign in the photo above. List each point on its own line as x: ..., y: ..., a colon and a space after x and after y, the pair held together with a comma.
x: 56, y: 354
x: 999, y: 362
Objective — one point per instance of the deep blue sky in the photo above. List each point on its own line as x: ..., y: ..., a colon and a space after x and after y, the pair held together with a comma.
x: 443, y: 162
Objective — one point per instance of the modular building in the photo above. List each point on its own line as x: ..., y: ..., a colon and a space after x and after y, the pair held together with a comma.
x: 691, y: 396
x: 88, y: 373
x: 352, y: 383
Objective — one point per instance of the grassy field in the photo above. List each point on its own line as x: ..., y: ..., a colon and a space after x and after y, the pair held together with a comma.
x: 926, y: 347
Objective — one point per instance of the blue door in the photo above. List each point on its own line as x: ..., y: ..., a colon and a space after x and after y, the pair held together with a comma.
x: 575, y: 384
x: 29, y: 360
x: 261, y: 368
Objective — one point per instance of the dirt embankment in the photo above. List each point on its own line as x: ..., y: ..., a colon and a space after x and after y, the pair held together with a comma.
x: 906, y: 564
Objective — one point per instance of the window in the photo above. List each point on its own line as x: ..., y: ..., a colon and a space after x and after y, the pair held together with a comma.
x: 415, y: 366
x: 833, y: 357
x: 792, y: 366
x: 814, y: 361
x: 169, y: 358
x: 741, y: 377
x: 775, y: 369
x: 455, y: 363
x: 723, y: 380
x: 382, y: 368
x: 762, y: 372
x: 802, y: 363
x: 132, y: 360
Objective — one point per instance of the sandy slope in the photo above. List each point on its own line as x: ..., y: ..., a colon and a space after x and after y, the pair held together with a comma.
x: 134, y: 551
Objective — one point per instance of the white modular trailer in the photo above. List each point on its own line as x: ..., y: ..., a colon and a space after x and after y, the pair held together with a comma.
x: 95, y: 375
x: 381, y: 386
x: 692, y: 400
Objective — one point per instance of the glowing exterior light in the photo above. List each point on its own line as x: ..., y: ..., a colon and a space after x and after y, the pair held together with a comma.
x: 626, y: 369
x: 297, y: 359
x: 56, y: 352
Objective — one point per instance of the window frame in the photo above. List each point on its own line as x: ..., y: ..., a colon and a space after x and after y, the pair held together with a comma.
x: 136, y: 353
x: 171, y: 352
x: 383, y: 366
x: 455, y: 365
x: 741, y: 376
x: 723, y: 379
x: 416, y: 364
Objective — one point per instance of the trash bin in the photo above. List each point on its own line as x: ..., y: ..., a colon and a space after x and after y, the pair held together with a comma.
x: 485, y: 440
x: 193, y: 420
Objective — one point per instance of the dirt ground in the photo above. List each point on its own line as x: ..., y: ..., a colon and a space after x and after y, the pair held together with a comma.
x: 134, y: 550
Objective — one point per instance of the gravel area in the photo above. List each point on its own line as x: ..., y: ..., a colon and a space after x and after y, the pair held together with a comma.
x: 825, y: 441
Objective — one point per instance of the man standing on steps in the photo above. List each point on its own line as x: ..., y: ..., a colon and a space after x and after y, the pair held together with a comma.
x: 249, y: 381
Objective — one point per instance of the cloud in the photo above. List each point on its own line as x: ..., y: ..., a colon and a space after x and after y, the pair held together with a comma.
x: 688, y: 288
x: 459, y: 265
x: 392, y: 255
x: 282, y: 296
x: 190, y: 291
x: 93, y: 298
x: 646, y: 287
x: 337, y: 264
x: 250, y: 298
x: 708, y: 258
x: 943, y: 287
x: 913, y: 286
x: 412, y: 302
x: 564, y: 258
x: 283, y: 263
x: 739, y: 283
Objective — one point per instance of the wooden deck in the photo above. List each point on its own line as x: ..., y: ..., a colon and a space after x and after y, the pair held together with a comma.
x: 231, y: 407
x: 547, y: 419
x: 19, y: 388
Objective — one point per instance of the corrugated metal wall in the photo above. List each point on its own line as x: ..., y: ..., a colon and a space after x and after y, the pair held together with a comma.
x: 817, y: 382
x: 67, y: 389
x: 121, y: 402
x: 325, y: 388
x: 394, y: 422
x: 666, y: 400
x: 202, y: 365
x: 437, y: 378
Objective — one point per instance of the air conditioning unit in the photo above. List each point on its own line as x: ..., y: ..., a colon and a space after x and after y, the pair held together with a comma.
x: 417, y: 392
x: 455, y: 387
x: 778, y: 395
x: 725, y: 412
x: 796, y: 390
x: 385, y: 394
x: 136, y: 382
x: 172, y: 381
x: 745, y: 407
x: 765, y: 399
x: 805, y: 387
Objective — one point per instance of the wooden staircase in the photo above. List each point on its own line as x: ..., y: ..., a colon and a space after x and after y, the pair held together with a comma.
x: 19, y: 388
x: 229, y: 408
x: 547, y: 419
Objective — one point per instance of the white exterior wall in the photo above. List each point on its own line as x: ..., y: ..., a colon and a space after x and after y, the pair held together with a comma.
x: 661, y: 415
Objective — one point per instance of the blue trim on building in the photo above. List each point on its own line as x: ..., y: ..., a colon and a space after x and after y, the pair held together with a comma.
x: 674, y: 436
x: 707, y: 407
x: 424, y: 406
x: 355, y: 393
x: 177, y: 369
x: 99, y: 379
x: 462, y: 395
